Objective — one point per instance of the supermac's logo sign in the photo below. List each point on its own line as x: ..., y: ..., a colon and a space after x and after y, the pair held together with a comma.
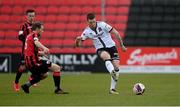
x: 138, y: 57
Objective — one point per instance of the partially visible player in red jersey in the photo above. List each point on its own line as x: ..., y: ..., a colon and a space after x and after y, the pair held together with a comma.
x: 24, y: 31
x: 39, y: 67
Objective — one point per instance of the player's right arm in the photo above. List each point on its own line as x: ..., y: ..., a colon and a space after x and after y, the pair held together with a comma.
x: 21, y: 36
x: 78, y: 41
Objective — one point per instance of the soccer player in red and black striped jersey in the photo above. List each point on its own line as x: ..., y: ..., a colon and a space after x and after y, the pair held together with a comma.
x: 39, y: 67
x: 24, y: 31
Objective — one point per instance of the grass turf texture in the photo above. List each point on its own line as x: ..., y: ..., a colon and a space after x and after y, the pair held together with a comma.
x: 92, y: 89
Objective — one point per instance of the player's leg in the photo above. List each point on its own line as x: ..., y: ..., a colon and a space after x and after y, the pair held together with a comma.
x: 105, y: 56
x: 37, y: 75
x: 116, y: 68
x: 57, y: 78
x: 25, y: 87
x: 113, y: 81
x: 30, y: 78
x: 116, y: 65
x: 21, y: 69
x: 43, y: 76
x: 115, y: 61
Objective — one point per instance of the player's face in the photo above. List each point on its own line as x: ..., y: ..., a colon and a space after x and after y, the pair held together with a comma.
x: 41, y: 30
x: 92, y: 23
x: 31, y: 16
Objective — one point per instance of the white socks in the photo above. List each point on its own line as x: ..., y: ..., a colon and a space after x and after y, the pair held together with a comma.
x: 113, y: 84
x: 109, y: 66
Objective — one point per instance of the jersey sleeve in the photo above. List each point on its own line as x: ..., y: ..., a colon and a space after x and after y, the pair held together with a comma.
x: 21, y: 33
x: 107, y: 27
x: 84, y: 35
x: 35, y: 38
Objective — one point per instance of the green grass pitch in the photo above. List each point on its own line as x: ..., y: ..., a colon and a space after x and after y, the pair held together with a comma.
x: 92, y: 90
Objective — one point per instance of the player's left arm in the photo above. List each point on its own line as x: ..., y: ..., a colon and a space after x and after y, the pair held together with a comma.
x: 43, y: 55
x: 40, y: 45
x: 116, y: 33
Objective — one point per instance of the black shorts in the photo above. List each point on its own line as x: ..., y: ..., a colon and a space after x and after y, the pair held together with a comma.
x: 112, y: 51
x: 41, y: 68
x: 22, y: 61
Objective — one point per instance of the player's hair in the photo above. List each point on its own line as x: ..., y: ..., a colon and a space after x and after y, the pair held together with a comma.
x: 30, y: 11
x: 90, y: 16
x: 36, y: 25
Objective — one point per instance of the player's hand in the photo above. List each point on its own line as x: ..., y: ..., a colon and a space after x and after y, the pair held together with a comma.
x: 46, y: 50
x: 123, y: 48
x: 41, y: 53
x: 78, y: 41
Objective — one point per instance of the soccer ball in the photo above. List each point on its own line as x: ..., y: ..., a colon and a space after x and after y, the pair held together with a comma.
x: 138, y: 89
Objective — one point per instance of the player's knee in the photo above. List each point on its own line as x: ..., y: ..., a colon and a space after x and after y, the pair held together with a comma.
x: 43, y: 76
x: 21, y: 68
x: 35, y: 80
x: 105, y: 58
x: 116, y: 66
x: 57, y: 68
x: 104, y: 55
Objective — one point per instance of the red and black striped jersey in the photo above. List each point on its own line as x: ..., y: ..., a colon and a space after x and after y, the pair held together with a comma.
x: 30, y: 49
x: 25, y: 29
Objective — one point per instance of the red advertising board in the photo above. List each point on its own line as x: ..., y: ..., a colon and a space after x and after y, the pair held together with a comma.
x: 150, y: 60
x: 150, y: 56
